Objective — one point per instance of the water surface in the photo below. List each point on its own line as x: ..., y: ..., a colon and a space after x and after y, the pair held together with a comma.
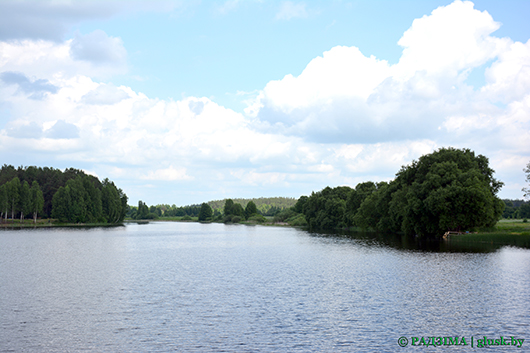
x: 211, y: 287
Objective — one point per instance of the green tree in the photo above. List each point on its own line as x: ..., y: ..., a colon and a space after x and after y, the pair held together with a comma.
x: 143, y: 210
x: 229, y: 205
x: 13, y: 195
x: 326, y: 209
x: 24, y: 200
x: 94, y: 207
x: 449, y: 189
x: 112, y: 203
x: 78, y: 200
x: 205, y: 213
x: 355, y: 198
x: 238, y: 210
x: 37, y: 200
x: 62, y: 205
x: 250, y: 210
x: 4, y: 202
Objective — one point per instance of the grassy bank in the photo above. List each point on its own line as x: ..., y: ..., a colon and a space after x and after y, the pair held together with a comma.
x: 505, y: 232
x: 48, y: 223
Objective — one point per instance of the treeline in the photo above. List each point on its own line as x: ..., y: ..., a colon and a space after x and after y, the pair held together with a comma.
x: 143, y: 211
x: 518, y: 209
x: 447, y: 190
x: 70, y: 196
x: 265, y: 206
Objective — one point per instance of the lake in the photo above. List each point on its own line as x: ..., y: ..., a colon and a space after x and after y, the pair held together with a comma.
x: 192, y: 287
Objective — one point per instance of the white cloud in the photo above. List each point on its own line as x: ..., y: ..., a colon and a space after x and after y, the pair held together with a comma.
x: 168, y: 174
x: 46, y: 60
x: 98, y: 48
x: 347, y: 118
x: 105, y: 94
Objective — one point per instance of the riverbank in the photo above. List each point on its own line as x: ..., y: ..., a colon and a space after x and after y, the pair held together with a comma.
x: 513, y: 232
x: 51, y: 223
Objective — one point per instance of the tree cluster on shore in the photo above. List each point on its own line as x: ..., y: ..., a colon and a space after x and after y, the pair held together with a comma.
x: 263, y: 207
x: 449, y: 189
x: 71, y: 196
x: 516, y: 209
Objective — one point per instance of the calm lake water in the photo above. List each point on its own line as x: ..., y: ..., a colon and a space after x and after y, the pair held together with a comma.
x: 193, y: 287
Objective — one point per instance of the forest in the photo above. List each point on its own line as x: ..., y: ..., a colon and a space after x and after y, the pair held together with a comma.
x: 265, y: 206
x: 447, y: 190
x: 69, y: 196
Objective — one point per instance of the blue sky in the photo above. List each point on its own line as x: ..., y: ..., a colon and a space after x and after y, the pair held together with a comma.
x: 182, y: 102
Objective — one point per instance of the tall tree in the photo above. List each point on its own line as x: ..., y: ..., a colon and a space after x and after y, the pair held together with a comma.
x: 13, y: 195
x: 37, y: 200
x: 250, y: 210
x: 229, y: 205
x: 4, y: 202
x: 24, y: 200
x: 205, y: 213
x: 62, y: 205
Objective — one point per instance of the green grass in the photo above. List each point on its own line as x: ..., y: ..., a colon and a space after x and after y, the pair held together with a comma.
x: 505, y: 232
x: 29, y: 223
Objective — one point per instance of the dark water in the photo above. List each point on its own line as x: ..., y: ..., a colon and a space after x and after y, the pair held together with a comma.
x: 192, y: 287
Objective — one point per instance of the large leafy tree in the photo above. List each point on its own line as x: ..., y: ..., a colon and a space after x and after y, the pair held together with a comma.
x: 326, y: 209
x: 24, y: 200
x: 250, y: 210
x: 62, y: 205
x: 205, y: 213
x: 449, y: 189
x: 13, y: 195
x: 228, y: 208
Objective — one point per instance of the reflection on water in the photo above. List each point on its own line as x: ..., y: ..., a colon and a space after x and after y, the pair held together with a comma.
x: 402, y: 242
x: 213, y: 287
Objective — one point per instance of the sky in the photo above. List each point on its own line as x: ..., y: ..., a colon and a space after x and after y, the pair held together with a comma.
x: 183, y: 102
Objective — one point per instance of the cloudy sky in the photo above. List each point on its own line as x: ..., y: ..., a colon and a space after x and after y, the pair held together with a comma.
x: 181, y: 102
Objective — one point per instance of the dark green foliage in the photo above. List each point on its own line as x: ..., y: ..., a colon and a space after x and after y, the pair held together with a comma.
x: 70, y: 196
x: 13, y: 195
x: 355, y: 198
x: 326, y: 209
x: 206, y: 213
x: 449, y: 189
x: 81, y: 202
x: 257, y: 218
x: 516, y: 209
x: 143, y: 211
x: 4, y: 202
x: 49, y: 180
x: 229, y: 205
x: 300, y: 204
x: 36, y: 200
x: 238, y: 210
x: 62, y: 205
x: 283, y: 216
x: 24, y: 200
x: 250, y: 210
x: 524, y: 211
